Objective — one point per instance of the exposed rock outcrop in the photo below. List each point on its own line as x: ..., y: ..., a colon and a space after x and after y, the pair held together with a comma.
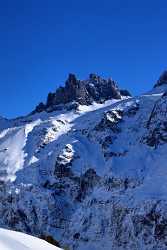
x: 83, y: 92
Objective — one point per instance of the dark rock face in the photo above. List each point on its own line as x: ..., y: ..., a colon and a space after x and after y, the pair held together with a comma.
x: 74, y: 90
x: 101, y: 90
x: 162, y: 80
x: 64, y: 162
x: 87, y: 181
x: 83, y: 92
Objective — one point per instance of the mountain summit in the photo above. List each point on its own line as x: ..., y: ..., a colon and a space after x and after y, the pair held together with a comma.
x: 83, y: 92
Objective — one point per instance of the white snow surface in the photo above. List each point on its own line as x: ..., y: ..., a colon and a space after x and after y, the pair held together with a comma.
x: 11, y: 240
x: 20, y: 142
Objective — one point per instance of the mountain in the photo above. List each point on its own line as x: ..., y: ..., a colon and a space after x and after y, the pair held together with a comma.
x: 88, y: 168
x: 10, y: 240
x: 77, y: 92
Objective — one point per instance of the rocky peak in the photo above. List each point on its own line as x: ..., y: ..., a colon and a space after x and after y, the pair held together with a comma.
x: 162, y: 80
x: 83, y: 92
x: 72, y: 78
x: 71, y: 81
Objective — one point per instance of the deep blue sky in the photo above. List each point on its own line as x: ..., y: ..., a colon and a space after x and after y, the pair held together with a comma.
x: 41, y: 41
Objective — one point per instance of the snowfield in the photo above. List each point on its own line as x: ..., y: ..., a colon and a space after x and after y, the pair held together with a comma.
x: 11, y: 240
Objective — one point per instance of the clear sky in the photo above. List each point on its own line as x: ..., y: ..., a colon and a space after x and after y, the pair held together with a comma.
x: 41, y: 41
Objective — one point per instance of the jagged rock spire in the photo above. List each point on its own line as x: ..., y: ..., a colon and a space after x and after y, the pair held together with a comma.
x: 83, y: 92
x: 72, y: 80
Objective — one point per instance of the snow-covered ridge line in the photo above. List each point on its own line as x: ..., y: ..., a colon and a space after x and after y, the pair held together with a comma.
x: 14, y: 153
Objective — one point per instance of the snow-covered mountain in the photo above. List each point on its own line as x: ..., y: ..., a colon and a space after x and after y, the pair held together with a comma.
x: 88, y: 169
x: 11, y: 240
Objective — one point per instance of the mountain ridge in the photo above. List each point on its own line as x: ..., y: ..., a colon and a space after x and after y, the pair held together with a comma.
x: 83, y: 92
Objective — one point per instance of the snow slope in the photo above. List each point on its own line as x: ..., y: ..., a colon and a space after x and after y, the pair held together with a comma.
x: 11, y: 240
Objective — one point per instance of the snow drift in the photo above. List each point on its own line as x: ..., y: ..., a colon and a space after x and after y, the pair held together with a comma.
x: 11, y: 240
